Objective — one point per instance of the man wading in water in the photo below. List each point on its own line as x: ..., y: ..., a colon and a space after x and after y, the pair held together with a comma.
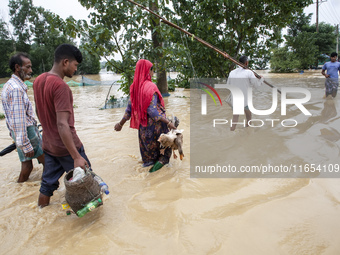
x: 243, y: 79
x: 332, y: 76
x: 54, y: 104
x: 20, y: 118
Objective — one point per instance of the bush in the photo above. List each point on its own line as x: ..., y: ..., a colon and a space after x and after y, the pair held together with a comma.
x: 182, y: 81
x: 171, y: 85
x: 284, y: 61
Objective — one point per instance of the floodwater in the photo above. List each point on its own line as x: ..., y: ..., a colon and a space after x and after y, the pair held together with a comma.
x: 168, y: 212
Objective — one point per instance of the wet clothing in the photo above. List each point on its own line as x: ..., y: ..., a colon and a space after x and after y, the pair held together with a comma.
x: 141, y: 92
x: 148, y: 136
x: 145, y: 108
x: 332, y: 83
x: 36, y: 142
x: 55, y: 167
x: 53, y: 95
x: 243, y: 79
x: 332, y: 68
x: 331, y: 86
x: 18, y: 111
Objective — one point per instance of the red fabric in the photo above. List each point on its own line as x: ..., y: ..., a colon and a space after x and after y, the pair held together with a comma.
x: 141, y: 92
x: 52, y: 95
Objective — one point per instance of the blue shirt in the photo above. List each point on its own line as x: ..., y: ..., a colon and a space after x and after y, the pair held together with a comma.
x: 332, y: 68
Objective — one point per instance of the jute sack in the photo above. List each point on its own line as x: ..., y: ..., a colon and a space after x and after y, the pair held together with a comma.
x: 82, y: 191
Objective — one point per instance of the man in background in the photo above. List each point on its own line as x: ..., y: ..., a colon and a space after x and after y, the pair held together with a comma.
x: 20, y: 118
x: 332, y: 76
x: 243, y: 78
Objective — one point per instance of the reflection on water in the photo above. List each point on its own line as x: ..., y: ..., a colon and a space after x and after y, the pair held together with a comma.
x: 167, y: 212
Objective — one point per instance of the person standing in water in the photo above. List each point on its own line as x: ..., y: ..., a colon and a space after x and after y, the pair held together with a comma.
x: 332, y: 76
x: 54, y: 105
x: 243, y: 79
x: 147, y: 113
x: 20, y: 118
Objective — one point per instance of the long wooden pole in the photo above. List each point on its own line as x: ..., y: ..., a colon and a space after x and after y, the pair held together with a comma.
x: 224, y: 54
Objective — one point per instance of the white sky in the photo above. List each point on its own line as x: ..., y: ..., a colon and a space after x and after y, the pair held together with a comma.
x: 64, y: 8
x: 329, y: 11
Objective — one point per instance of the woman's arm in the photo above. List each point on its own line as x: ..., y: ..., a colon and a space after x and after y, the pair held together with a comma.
x: 125, y: 118
x: 155, y: 115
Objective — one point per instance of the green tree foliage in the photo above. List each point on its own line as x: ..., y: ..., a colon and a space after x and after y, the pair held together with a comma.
x: 36, y: 33
x: 301, y: 42
x: 325, y: 39
x: 6, y: 48
x: 118, y: 28
x: 284, y: 61
x: 237, y: 27
x: 304, y: 45
x: 90, y: 63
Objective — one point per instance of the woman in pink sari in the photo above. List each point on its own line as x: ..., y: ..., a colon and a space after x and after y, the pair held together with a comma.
x: 147, y: 113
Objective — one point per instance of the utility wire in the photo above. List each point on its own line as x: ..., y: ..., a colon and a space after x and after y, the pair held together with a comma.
x: 334, y: 12
x: 330, y: 13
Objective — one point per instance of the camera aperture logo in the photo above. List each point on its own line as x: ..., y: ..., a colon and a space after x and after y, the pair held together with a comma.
x: 238, y: 105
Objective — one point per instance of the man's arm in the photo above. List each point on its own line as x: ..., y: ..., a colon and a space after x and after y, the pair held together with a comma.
x: 66, y: 136
x: 254, y: 81
x: 323, y: 72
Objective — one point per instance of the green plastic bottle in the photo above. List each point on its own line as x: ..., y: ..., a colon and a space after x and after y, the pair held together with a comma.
x: 89, y: 207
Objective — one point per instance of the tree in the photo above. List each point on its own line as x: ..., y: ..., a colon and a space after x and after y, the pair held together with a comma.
x: 307, y: 45
x: 284, y: 61
x: 301, y: 42
x: 234, y: 26
x: 325, y: 40
x: 35, y: 33
x: 131, y: 33
x: 91, y: 61
x: 6, y: 48
x: 20, y: 12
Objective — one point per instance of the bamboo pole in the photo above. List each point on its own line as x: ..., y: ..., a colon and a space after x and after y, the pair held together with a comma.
x: 224, y: 54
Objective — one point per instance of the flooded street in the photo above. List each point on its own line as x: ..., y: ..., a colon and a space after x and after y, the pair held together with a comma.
x: 168, y: 212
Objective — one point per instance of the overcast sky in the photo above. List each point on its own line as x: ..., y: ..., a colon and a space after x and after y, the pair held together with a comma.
x: 64, y: 8
x: 329, y: 10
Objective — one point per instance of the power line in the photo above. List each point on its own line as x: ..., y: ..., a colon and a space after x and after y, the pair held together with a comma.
x: 328, y: 12
x: 335, y: 13
x: 329, y: 16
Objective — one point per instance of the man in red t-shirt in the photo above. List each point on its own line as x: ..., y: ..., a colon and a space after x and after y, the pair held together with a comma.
x: 54, y: 105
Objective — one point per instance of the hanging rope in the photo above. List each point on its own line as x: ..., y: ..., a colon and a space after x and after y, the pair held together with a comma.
x: 224, y: 54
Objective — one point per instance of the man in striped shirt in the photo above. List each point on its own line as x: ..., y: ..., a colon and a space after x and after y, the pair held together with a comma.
x: 20, y: 117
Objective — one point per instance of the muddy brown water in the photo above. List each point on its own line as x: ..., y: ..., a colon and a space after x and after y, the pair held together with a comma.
x: 167, y: 212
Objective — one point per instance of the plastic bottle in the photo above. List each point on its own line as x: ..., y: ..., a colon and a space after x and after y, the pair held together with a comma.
x: 89, y: 207
x: 103, y: 186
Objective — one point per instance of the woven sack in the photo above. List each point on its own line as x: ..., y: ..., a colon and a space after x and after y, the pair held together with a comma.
x: 81, y: 192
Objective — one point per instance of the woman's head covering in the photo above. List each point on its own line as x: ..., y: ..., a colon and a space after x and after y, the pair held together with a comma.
x: 141, y: 91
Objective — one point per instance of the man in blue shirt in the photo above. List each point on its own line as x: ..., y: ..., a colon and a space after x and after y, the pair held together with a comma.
x: 333, y: 70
